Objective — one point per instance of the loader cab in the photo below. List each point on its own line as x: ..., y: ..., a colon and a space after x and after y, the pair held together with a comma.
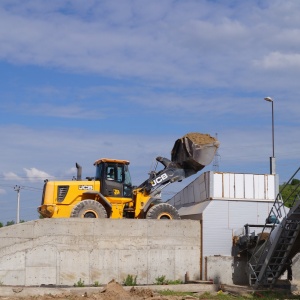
x: 114, y: 177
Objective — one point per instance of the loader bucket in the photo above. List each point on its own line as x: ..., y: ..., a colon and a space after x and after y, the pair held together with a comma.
x: 194, y: 151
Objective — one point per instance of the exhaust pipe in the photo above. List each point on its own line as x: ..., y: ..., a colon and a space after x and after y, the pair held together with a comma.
x: 79, y: 171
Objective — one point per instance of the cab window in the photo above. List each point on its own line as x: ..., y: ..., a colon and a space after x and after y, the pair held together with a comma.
x: 110, y: 173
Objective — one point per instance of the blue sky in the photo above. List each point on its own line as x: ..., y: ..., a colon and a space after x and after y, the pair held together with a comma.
x: 81, y: 80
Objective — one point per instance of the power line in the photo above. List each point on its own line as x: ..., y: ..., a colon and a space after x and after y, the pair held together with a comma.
x: 7, y: 185
x: 24, y: 187
x: 31, y: 188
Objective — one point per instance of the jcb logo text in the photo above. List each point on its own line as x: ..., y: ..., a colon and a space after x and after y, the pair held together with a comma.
x: 85, y: 187
x: 159, y: 179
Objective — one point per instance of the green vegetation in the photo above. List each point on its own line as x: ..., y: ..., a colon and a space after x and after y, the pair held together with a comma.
x: 172, y: 293
x: 130, y: 280
x: 79, y: 283
x: 161, y: 280
x: 8, y: 223
x: 290, y: 192
x: 228, y: 296
x: 96, y: 283
x: 177, y: 281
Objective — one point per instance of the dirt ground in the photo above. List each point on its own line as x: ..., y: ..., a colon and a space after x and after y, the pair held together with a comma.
x: 115, y: 291
x: 112, y: 291
x: 200, y: 138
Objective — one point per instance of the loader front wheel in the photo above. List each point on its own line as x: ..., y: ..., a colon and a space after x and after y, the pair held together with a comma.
x: 89, y: 209
x: 163, y: 211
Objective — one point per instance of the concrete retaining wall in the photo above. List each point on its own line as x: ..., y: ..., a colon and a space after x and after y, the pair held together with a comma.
x: 233, y: 270
x: 296, y: 272
x: 226, y: 270
x: 64, y: 251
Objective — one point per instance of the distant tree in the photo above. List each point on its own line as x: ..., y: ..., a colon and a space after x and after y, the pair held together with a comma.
x: 290, y: 192
x: 8, y: 223
x: 295, y: 181
x: 1, y: 224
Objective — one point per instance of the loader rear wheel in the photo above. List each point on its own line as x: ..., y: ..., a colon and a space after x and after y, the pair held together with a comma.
x: 163, y: 211
x: 89, y: 209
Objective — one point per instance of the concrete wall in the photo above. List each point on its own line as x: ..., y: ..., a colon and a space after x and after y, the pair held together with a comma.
x: 63, y: 251
x: 226, y: 270
x: 233, y: 270
x: 296, y: 270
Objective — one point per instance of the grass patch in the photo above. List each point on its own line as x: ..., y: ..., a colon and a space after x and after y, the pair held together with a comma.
x: 96, y: 284
x: 227, y: 296
x: 172, y: 293
x: 79, y: 283
x: 161, y: 280
x: 130, y: 280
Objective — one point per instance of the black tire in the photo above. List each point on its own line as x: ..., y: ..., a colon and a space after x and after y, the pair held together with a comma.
x: 89, y: 209
x: 163, y: 211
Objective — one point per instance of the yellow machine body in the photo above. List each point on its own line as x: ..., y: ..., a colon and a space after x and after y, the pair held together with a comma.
x: 110, y: 194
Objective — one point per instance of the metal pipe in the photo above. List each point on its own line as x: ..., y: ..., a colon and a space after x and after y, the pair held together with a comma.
x: 272, y: 158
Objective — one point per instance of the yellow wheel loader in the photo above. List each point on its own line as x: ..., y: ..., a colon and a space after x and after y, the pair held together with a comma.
x: 110, y: 193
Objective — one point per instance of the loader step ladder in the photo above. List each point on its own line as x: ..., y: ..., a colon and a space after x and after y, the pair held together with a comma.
x: 271, y: 259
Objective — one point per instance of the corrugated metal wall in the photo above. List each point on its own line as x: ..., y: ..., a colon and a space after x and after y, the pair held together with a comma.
x: 243, y: 186
x: 221, y: 219
x: 227, y: 186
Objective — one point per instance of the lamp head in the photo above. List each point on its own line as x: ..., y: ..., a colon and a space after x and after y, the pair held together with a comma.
x: 269, y: 99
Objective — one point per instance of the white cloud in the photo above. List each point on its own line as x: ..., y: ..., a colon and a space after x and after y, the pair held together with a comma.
x: 34, y: 175
x: 71, y: 171
x: 12, y: 176
x: 31, y: 174
x: 72, y: 111
x: 278, y: 61
x: 154, y: 41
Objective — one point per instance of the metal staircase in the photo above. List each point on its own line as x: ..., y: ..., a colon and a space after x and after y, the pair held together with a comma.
x: 272, y: 257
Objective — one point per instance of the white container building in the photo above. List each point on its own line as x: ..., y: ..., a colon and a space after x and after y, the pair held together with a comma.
x: 224, y: 203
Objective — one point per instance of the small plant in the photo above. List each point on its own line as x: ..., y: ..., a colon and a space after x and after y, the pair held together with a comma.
x: 130, y: 280
x: 96, y: 283
x: 161, y: 280
x: 177, y: 281
x: 173, y: 293
x: 208, y: 295
x: 1, y: 283
x: 79, y: 283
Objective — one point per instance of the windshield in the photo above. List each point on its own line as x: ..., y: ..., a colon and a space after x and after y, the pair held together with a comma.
x: 115, y: 172
x: 127, y: 178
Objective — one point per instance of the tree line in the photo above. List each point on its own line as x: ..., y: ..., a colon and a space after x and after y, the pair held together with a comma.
x: 8, y: 223
x: 290, y: 192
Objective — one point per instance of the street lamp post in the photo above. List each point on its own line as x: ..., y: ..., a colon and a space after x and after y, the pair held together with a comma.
x: 272, y: 159
x: 17, y: 189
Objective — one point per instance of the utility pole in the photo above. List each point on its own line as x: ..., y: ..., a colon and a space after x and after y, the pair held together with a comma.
x: 216, y: 159
x: 17, y: 188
